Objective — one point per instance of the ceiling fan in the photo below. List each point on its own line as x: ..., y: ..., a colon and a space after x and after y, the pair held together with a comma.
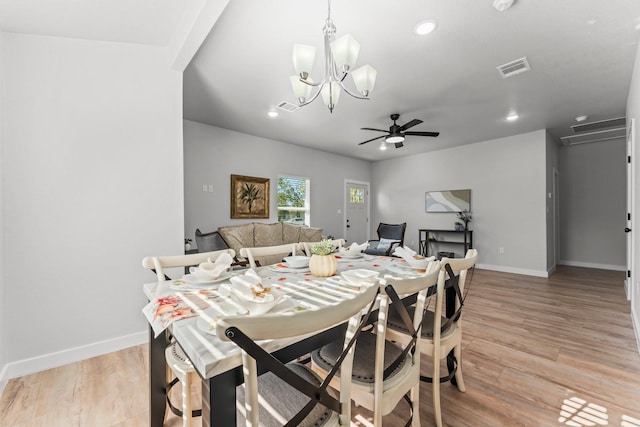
x: 396, y: 134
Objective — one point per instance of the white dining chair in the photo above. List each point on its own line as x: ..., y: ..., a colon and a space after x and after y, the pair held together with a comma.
x: 291, y: 394
x: 266, y: 255
x: 178, y: 363
x: 385, y: 372
x: 439, y: 334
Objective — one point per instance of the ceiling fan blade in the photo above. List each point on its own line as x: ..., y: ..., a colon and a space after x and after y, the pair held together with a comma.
x: 399, y: 144
x: 416, y: 133
x: 364, y: 142
x: 410, y: 124
x: 378, y: 130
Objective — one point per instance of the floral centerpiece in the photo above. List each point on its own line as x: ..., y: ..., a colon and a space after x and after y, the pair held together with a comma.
x: 323, y: 263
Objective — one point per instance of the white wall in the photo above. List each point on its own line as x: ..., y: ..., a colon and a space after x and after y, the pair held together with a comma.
x: 212, y: 154
x: 552, y: 166
x: 93, y: 183
x: 507, y: 181
x: 593, y: 202
x: 3, y: 306
x: 633, y: 112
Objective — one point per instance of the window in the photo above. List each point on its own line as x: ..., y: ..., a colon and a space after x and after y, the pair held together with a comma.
x: 356, y: 195
x: 293, y: 200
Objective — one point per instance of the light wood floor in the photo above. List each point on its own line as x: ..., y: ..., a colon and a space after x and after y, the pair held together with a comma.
x: 537, y: 352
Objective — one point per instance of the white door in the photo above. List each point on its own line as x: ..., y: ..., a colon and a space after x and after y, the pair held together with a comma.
x: 356, y: 213
x: 628, y: 284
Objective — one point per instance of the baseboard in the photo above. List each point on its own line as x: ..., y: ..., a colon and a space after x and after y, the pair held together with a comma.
x: 503, y: 269
x: 594, y: 265
x: 64, y: 357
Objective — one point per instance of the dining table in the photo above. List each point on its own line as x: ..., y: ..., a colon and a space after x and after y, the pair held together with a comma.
x: 218, y: 362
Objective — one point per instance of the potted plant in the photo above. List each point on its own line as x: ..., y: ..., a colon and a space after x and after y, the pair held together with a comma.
x: 187, y: 244
x: 323, y: 263
x: 464, y: 220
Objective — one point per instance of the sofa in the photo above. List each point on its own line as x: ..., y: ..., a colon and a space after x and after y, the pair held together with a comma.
x: 258, y: 234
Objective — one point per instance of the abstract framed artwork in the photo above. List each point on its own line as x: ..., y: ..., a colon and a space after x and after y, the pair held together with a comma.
x: 249, y: 197
x: 448, y: 201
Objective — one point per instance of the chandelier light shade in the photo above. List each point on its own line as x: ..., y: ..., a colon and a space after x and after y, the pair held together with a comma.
x: 340, y: 56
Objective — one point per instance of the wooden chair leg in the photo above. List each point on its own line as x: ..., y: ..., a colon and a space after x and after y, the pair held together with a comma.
x: 457, y: 351
x: 415, y: 401
x: 186, y: 399
x: 437, y: 414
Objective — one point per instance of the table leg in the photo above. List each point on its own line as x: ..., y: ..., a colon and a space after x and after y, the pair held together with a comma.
x: 157, y: 379
x: 219, y: 408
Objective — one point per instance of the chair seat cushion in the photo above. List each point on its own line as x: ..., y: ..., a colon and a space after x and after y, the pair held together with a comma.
x: 363, y: 360
x: 280, y: 401
x: 395, y: 323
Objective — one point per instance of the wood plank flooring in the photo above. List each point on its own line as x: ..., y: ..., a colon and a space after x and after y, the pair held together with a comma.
x: 537, y: 352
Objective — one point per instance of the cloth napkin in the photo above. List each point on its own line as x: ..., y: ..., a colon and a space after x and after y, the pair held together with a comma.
x: 215, y: 269
x: 250, y: 288
x: 409, y: 254
x: 355, y: 248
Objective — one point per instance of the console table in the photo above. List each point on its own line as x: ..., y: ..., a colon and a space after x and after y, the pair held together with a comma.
x: 455, y: 237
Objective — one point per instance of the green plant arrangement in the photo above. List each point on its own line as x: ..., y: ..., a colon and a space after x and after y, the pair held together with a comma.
x: 323, y: 263
x: 324, y: 247
x: 465, y: 219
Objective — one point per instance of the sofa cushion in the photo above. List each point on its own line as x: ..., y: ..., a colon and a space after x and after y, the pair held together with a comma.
x: 309, y: 234
x: 267, y: 234
x: 290, y: 233
x: 238, y: 236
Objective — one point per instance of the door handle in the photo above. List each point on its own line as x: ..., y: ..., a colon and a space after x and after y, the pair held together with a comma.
x: 627, y: 229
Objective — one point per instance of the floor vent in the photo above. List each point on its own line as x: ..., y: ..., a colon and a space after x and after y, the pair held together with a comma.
x: 287, y: 106
x: 514, y: 68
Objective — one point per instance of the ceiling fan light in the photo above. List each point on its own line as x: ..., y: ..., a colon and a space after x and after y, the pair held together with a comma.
x: 330, y: 94
x: 303, y: 57
x: 301, y: 90
x: 394, y: 139
x: 345, y: 52
x: 383, y: 145
x: 365, y: 79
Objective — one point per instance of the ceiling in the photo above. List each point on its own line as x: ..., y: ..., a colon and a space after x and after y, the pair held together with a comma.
x: 581, y: 54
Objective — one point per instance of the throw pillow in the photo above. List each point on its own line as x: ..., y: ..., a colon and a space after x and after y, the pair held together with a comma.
x: 385, y: 243
x: 267, y: 234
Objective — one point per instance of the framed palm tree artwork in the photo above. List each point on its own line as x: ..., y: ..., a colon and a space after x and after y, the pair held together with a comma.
x: 249, y: 197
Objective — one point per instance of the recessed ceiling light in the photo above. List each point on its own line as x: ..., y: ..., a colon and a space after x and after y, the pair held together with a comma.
x: 581, y: 118
x: 512, y: 117
x: 425, y: 27
x: 272, y: 114
x: 592, y: 21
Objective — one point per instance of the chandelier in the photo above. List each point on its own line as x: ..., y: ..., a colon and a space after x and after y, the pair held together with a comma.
x: 340, y: 57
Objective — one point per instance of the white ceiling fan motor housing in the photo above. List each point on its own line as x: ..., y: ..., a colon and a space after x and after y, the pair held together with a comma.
x: 502, y: 5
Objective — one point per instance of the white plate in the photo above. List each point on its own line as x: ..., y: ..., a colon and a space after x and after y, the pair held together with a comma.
x: 189, y: 281
x: 351, y: 256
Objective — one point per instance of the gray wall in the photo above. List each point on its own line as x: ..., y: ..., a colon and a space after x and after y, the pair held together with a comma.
x: 633, y: 113
x: 92, y: 175
x: 593, y: 204
x: 3, y: 307
x: 507, y: 181
x: 552, y: 165
x: 212, y: 154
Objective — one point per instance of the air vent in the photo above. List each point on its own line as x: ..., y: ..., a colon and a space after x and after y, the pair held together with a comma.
x: 599, y: 125
x: 287, y: 106
x: 603, y: 130
x: 514, y: 68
